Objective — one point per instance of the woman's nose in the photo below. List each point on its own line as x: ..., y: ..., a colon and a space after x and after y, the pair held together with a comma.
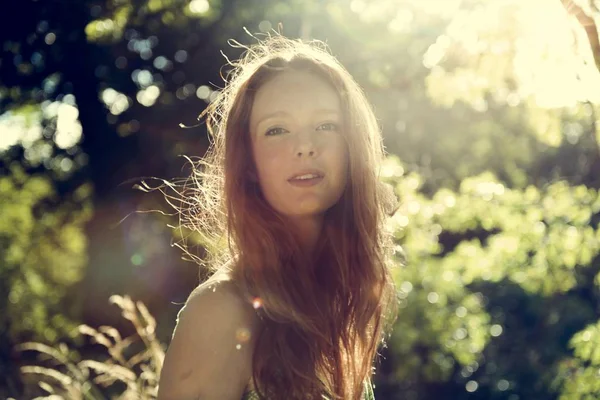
x: 306, y: 145
x: 305, y: 153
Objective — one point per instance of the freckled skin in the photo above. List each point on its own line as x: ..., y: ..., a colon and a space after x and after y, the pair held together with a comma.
x: 303, y: 138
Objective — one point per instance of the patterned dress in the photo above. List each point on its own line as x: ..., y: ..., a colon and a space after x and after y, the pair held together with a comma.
x: 367, y: 393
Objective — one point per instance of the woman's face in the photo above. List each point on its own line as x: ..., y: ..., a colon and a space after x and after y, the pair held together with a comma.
x: 296, y: 128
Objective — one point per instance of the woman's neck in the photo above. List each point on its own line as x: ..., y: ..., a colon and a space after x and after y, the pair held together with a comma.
x: 308, y: 230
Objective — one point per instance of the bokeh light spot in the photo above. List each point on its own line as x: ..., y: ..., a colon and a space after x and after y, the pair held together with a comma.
x: 142, y: 77
x: 203, y: 92
x: 471, y: 386
x: 503, y: 385
x: 264, y: 26
x: 181, y: 56
x: 137, y: 259
x: 199, y: 6
x: 406, y: 287
x: 42, y: 26
x: 146, y: 54
x: 587, y: 335
x: 433, y: 297
x: 50, y: 38
x: 460, y: 334
x: 496, y: 330
x: 68, y: 128
x: 121, y: 62
x: 403, y: 221
x: 147, y: 97
x: 66, y: 164
x: 134, y: 125
x: 37, y: 59
x: 160, y: 62
x: 115, y: 101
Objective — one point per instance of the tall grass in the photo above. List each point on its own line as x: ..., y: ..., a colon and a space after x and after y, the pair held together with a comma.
x: 123, y: 373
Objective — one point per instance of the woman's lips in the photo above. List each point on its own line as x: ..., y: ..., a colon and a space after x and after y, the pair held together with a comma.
x: 313, y: 171
x: 306, y: 182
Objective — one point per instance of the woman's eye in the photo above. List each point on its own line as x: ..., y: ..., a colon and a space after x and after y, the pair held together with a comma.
x: 330, y: 126
x: 273, y: 131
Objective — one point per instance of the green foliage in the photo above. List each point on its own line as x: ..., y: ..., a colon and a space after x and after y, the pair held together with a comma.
x: 44, y: 253
x: 120, y: 14
x: 109, y: 29
x: 582, y: 370
x: 535, y: 238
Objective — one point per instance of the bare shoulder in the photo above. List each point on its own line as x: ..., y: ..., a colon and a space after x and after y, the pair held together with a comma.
x: 216, y: 298
x: 210, y: 354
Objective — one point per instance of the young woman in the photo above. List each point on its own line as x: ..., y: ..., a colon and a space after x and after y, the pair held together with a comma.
x: 289, y: 201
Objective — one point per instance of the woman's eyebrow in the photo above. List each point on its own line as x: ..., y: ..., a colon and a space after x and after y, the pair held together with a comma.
x: 281, y: 113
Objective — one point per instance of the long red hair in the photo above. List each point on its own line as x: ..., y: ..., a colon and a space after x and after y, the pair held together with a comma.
x: 324, y: 315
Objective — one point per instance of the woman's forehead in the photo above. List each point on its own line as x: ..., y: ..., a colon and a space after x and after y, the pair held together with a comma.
x: 294, y: 91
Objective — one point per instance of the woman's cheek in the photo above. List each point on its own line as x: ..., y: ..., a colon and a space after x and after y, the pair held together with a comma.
x: 276, y: 154
x: 271, y: 161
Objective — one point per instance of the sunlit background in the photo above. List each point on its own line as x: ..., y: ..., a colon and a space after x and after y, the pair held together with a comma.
x: 489, y: 111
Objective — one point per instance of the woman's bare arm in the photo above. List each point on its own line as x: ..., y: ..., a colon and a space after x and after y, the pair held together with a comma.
x: 210, y: 355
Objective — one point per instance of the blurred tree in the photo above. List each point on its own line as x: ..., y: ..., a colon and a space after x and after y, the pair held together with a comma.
x: 506, y: 68
x: 499, y: 212
x: 43, y: 252
x: 551, y: 293
x: 496, y: 284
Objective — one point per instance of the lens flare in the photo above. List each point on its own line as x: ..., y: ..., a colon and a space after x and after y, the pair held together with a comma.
x: 257, y: 303
x: 242, y: 335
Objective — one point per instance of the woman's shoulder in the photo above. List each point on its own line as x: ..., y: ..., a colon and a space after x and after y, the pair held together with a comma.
x: 220, y: 298
x: 212, y: 345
